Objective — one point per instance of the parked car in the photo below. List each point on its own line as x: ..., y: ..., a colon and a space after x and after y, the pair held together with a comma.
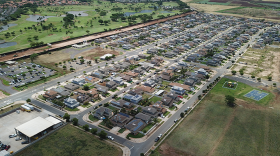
x: 157, y: 139
x: 160, y: 135
x: 8, y: 147
x: 175, y: 120
x: 180, y: 96
x: 12, y: 135
x: 110, y: 137
x: 25, y: 142
x: 187, y: 109
x: 17, y: 139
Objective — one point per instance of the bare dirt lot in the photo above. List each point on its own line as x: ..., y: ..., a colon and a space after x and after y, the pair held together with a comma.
x: 96, y: 53
x: 211, y: 8
x: 260, y: 63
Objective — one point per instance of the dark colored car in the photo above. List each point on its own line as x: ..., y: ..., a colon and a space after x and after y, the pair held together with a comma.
x: 25, y: 142
x: 157, y: 139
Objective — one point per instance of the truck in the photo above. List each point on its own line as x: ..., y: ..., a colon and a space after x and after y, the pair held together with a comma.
x: 28, y: 105
x: 27, y: 109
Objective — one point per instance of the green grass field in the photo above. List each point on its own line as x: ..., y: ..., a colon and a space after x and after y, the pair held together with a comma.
x: 48, y: 36
x: 213, y: 128
x: 71, y: 141
x: 155, y: 99
x: 2, y: 111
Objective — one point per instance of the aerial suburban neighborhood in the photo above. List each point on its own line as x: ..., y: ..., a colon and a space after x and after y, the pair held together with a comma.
x: 130, y: 77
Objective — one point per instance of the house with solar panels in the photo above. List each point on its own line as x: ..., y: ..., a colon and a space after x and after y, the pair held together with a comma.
x: 121, y: 103
x: 121, y: 119
x: 135, y: 126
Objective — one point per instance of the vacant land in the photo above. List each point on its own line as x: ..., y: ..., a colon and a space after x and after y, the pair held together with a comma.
x: 96, y: 53
x: 254, y: 12
x: 2, y: 111
x: 261, y: 63
x: 71, y: 141
x: 215, y: 129
x: 88, y: 22
x: 211, y: 8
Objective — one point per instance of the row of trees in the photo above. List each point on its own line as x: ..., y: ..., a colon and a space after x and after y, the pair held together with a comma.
x: 102, y: 134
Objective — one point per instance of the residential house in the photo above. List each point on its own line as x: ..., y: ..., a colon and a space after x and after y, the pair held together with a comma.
x: 167, y: 75
x: 150, y: 83
x: 167, y: 101
x: 50, y: 94
x: 142, y: 56
x: 196, y: 79
x: 144, y: 117
x: 121, y: 119
x: 189, y: 82
x: 102, y: 112
x: 150, y: 111
x: 139, y: 70
x: 133, y: 98
x: 136, y: 91
x: 91, y: 79
x: 102, y: 89
x: 62, y: 91
x: 135, y: 126
x: 211, y: 62
x: 82, y: 98
x: 98, y: 75
x: 71, y: 103
x: 126, y: 77
x: 169, y: 54
x: 193, y: 57
x: 178, y: 90
x: 79, y: 81
x: 132, y: 74
x: 121, y: 103
x: 111, y: 84
x: 202, y: 71
x: 72, y: 86
x: 173, y: 95
x: 159, y: 107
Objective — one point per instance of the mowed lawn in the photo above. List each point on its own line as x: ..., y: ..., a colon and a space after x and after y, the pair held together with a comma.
x: 216, y: 129
x: 71, y: 141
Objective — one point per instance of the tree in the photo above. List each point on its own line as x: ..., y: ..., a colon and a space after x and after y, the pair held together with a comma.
x: 66, y: 117
x: 93, y: 131
x: 259, y: 79
x: 230, y: 100
x: 75, y: 121
x: 86, y: 87
x: 87, y: 31
x: 142, y: 154
x: 64, y: 67
x: 28, y: 100
x: 233, y: 72
x: 33, y: 56
x: 274, y: 84
x: 100, y: 21
x: 252, y: 76
x: 182, y: 115
x: 207, y: 76
x: 199, y: 97
x: 86, y: 127
x: 269, y: 78
x: 102, y: 134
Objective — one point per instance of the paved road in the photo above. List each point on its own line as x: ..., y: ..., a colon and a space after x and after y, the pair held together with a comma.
x: 136, y: 148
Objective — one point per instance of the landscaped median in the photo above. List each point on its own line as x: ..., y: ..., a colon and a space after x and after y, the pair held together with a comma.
x: 5, y: 82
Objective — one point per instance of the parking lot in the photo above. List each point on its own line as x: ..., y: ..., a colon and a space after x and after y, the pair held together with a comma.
x: 20, y: 74
x: 9, y: 122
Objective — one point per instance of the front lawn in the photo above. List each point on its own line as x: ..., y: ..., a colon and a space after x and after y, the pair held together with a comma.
x: 144, y: 96
x: 112, y: 108
x: 155, y: 99
x: 92, y: 118
x: 179, y: 102
x: 148, y: 127
x: 122, y: 130
x: 172, y: 108
x: 70, y: 141
x: 166, y: 113
x: 113, y: 90
x: 165, y: 83
x: 72, y: 110
x: 139, y: 135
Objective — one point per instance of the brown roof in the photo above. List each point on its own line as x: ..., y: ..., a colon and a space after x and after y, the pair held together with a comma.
x: 186, y: 87
x: 146, y: 88
x: 51, y: 93
x: 133, y: 74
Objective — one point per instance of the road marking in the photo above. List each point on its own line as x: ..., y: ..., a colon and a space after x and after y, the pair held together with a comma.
x: 131, y: 147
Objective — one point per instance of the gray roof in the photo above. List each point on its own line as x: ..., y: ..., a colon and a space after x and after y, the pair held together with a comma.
x: 143, y: 117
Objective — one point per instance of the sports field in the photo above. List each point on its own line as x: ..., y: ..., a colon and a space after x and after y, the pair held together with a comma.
x: 71, y: 141
x: 23, y: 33
x: 213, y: 128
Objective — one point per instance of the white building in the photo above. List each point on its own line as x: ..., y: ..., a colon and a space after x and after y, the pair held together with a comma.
x: 106, y: 55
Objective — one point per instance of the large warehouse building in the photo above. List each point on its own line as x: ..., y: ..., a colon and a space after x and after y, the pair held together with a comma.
x: 38, y: 127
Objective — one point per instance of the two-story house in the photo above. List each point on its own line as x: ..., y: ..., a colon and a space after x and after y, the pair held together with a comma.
x: 102, y: 112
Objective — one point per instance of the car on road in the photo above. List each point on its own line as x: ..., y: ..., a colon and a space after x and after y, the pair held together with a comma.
x: 12, y: 135
x: 25, y: 142
x: 137, y: 83
x: 110, y: 137
x: 124, y: 91
x: 228, y: 67
x: 187, y: 109
x: 175, y: 120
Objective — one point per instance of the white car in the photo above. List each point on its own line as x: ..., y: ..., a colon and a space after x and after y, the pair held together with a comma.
x: 110, y: 137
x: 160, y: 135
x: 12, y: 135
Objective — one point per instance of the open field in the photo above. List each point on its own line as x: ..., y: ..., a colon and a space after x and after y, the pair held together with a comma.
x: 24, y: 35
x: 254, y: 12
x: 71, y: 141
x: 260, y: 63
x: 96, y: 53
x: 216, y: 129
x: 211, y: 8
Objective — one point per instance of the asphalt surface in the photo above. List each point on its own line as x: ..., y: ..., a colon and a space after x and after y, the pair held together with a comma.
x: 136, y: 148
